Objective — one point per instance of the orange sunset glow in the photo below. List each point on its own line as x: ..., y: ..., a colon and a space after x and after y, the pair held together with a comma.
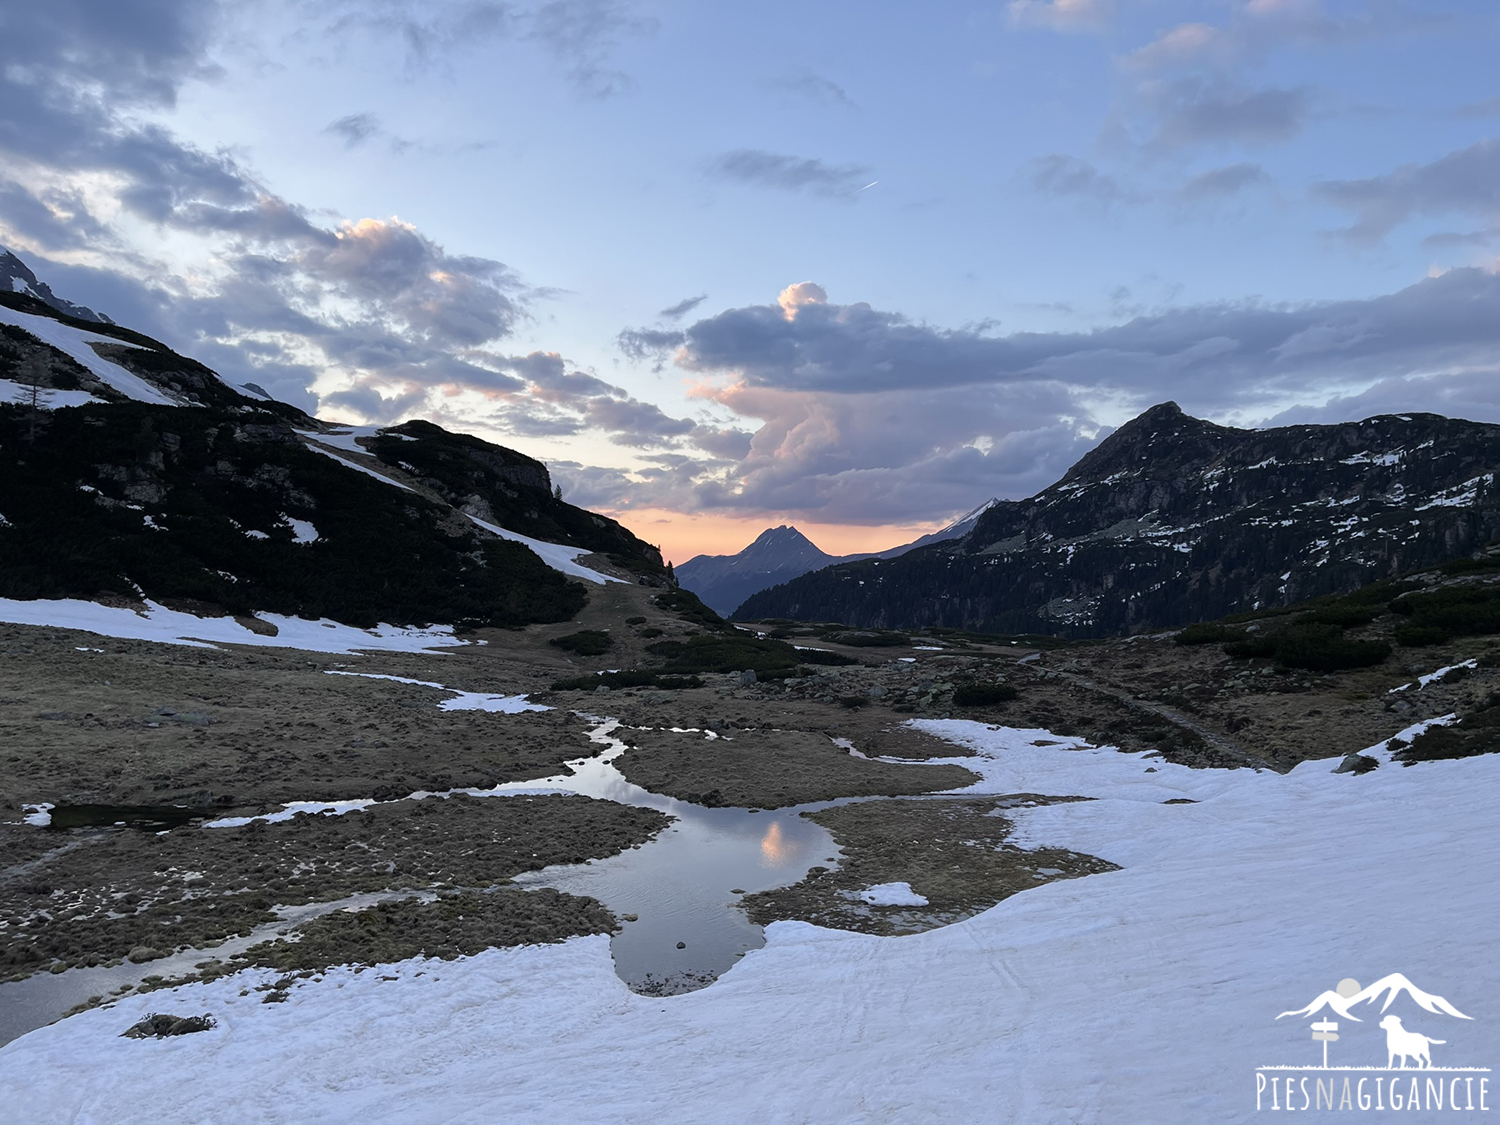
x: 681, y: 536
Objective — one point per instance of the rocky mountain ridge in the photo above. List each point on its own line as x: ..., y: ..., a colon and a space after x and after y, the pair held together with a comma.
x: 1173, y: 519
x: 131, y: 473
x: 782, y: 553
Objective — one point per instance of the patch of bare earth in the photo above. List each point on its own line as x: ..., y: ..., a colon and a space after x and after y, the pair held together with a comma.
x: 955, y: 852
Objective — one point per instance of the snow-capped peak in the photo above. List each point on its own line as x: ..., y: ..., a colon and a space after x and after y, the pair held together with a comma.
x: 1391, y: 986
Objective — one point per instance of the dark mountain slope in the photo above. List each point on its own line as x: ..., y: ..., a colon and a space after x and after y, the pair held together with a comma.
x: 778, y: 554
x: 1173, y: 519
x: 143, y: 475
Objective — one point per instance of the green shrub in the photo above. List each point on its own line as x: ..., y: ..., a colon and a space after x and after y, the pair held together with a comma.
x: 869, y: 638
x: 727, y: 652
x: 982, y: 695
x: 1461, y: 610
x: 1205, y: 632
x: 1342, y: 615
x: 1324, y: 648
x: 1316, y: 646
x: 1470, y: 565
x: 585, y: 642
x: 1251, y: 646
x: 686, y: 605
x: 821, y: 656
x: 1416, y: 636
x: 630, y: 678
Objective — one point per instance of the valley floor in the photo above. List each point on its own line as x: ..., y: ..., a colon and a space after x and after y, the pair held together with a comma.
x: 1081, y: 905
x: 1145, y: 993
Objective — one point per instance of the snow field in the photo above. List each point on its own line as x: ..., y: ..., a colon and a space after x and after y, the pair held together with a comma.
x: 1145, y: 994
x: 169, y: 626
x: 74, y: 343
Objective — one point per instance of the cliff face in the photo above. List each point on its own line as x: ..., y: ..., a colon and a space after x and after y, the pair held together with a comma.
x: 1174, y: 519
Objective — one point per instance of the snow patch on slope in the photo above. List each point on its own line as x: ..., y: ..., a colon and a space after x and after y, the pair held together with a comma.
x: 555, y: 555
x: 74, y: 343
x: 170, y: 626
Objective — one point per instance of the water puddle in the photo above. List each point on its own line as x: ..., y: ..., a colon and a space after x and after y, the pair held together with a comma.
x: 43, y: 998
x: 683, y: 886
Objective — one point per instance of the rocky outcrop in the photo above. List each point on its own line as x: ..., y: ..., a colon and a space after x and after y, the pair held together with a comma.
x: 1174, y: 519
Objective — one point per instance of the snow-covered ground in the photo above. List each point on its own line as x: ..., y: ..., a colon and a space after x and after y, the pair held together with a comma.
x: 1148, y: 994
x: 74, y: 343
x: 555, y: 555
x: 11, y: 391
x: 170, y: 626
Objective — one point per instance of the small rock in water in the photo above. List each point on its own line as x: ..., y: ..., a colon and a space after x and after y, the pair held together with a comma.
x: 630, y: 917
x: 737, y: 891
x: 682, y: 945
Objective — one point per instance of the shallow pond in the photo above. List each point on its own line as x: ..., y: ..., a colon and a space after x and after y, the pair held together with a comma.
x: 682, y: 886
x: 46, y: 997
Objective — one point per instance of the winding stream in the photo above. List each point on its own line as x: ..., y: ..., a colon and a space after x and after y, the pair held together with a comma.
x: 682, y: 886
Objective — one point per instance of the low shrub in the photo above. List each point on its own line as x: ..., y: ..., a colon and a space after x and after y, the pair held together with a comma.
x: 1342, y: 615
x: 982, y: 695
x: 1416, y: 636
x: 727, y: 652
x: 820, y: 656
x: 1205, y: 632
x: 1461, y: 610
x: 1312, y: 645
x: 585, y: 642
x: 869, y: 638
x: 630, y: 678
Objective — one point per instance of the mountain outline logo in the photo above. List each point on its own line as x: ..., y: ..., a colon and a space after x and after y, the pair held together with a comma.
x: 1408, y: 1054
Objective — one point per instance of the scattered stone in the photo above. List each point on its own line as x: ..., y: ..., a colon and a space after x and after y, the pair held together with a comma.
x: 159, y: 1026
x: 143, y: 953
x: 747, y: 677
x: 682, y: 945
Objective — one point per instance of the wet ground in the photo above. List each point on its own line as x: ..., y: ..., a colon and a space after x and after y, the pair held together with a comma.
x: 659, y: 837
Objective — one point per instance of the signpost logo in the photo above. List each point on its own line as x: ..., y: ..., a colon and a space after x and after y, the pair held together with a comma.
x: 1353, y: 1079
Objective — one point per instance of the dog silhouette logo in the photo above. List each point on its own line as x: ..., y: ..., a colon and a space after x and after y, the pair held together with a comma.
x: 1363, y: 1083
x: 1406, y: 1044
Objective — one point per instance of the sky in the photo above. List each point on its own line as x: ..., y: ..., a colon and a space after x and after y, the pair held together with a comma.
x: 853, y: 266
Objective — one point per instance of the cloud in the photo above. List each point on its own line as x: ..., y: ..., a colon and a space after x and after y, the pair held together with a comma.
x: 1466, y: 182
x: 758, y: 168
x: 861, y: 415
x: 682, y: 307
x: 1220, y: 183
x: 1192, y: 112
x: 1058, y: 174
x: 1062, y: 15
x: 582, y: 35
x: 1490, y: 107
x: 355, y: 129
x: 812, y: 87
x: 648, y: 343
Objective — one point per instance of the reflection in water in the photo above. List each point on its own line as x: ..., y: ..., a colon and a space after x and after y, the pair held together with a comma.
x: 680, y: 885
x: 775, y: 849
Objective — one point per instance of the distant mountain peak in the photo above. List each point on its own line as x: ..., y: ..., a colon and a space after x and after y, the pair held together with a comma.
x: 782, y: 535
x: 17, y: 277
x: 1160, y: 439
